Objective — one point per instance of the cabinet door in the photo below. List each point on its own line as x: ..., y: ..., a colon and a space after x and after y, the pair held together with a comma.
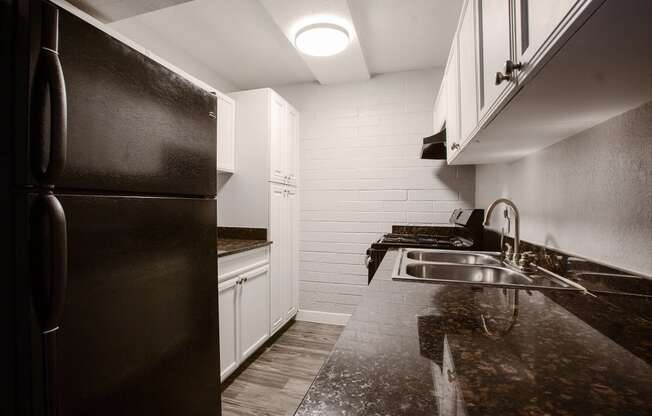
x: 276, y: 234
x: 292, y: 150
x: 254, y: 310
x: 495, y: 50
x: 439, y: 112
x: 452, y: 102
x: 289, y: 277
x: 225, y: 135
x: 467, y: 49
x: 536, y: 23
x: 228, y: 294
x: 277, y: 146
x: 296, y: 212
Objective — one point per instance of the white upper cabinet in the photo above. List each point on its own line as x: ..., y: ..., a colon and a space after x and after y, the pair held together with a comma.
x: 537, y: 24
x: 267, y: 149
x: 278, y: 139
x: 225, y: 133
x: 525, y: 74
x: 495, y: 50
x: 439, y: 112
x: 292, y: 150
x: 468, y: 64
x: 452, y: 102
x: 284, y: 141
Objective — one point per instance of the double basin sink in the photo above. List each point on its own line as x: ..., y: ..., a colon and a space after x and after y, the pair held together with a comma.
x: 467, y: 267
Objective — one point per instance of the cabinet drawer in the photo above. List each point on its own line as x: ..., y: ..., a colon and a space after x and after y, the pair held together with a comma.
x: 235, y: 264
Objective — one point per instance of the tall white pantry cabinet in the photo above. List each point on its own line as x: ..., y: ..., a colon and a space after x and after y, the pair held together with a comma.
x: 264, y: 191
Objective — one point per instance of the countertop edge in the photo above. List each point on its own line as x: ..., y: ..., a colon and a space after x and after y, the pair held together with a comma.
x: 246, y: 246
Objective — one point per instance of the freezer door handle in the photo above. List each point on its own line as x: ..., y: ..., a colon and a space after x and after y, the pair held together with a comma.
x: 48, y: 136
x: 48, y: 260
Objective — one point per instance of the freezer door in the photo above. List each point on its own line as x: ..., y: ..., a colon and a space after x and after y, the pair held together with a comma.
x: 132, y: 124
x: 138, y: 331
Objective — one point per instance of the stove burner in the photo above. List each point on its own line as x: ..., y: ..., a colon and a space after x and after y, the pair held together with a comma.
x: 425, y: 240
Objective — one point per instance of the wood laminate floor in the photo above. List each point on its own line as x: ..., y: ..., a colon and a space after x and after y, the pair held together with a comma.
x: 276, y: 380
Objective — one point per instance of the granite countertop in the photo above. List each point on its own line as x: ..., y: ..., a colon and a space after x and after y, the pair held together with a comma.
x: 425, y: 349
x: 228, y: 246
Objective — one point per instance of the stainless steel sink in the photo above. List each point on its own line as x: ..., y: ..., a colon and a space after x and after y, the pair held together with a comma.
x: 467, y: 268
x: 471, y: 274
x: 460, y: 257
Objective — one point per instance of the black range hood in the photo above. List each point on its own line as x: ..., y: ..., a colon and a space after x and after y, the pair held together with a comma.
x: 434, y: 147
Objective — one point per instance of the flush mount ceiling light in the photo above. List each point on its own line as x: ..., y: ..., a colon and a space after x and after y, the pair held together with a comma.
x: 322, y: 39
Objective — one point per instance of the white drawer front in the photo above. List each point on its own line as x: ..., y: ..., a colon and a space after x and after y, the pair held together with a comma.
x: 235, y: 264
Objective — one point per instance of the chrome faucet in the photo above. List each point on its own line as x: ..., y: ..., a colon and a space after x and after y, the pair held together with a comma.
x: 517, y: 237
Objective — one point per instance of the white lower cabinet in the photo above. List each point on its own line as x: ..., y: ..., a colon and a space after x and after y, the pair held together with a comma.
x: 283, y: 227
x: 244, y: 299
x: 254, y: 310
x: 289, y: 299
x: 276, y: 234
x: 227, y: 298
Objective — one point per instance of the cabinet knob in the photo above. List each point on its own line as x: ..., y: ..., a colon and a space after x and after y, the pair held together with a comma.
x: 212, y: 115
x: 500, y: 77
x: 510, y: 66
x: 455, y: 146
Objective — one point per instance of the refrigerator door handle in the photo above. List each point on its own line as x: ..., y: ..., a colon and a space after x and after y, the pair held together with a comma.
x: 48, y: 269
x: 48, y: 142
x: 49, y: 260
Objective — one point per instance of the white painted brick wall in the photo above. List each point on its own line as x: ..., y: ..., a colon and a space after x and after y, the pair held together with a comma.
x: 361, y: 173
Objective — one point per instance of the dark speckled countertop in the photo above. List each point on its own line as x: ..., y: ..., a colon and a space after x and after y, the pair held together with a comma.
x: 227, y: 246
x: 232, y: 240
x: 424, y: 349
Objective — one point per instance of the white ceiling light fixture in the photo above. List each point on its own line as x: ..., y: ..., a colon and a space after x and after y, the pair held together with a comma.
x: 322, y: 39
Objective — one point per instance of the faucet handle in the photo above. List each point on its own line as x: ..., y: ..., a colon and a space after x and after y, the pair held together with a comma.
x: 508, y: 250
x: 525, y: 259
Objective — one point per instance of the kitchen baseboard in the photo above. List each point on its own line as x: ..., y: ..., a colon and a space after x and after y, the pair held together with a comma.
x: 323, y: 317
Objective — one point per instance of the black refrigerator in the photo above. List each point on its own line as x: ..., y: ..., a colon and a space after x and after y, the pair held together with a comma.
x: 109, y: 268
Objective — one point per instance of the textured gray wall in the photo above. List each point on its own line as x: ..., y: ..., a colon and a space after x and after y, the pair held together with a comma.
x: 590, y: 194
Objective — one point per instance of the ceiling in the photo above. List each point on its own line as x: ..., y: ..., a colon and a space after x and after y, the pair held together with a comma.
x: 108, y: 11
x: 249, y: 42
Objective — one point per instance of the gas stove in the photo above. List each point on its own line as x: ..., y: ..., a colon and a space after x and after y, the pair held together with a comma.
x: 464, y: 233
x: 423, y: 241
